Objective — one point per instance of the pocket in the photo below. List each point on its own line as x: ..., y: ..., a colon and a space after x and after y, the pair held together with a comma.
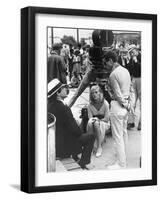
x: 117, y: 109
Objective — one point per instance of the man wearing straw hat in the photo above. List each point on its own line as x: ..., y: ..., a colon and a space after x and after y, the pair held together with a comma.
x: 70, y: 141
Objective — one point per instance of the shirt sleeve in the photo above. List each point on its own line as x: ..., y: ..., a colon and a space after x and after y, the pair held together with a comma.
x: 116, y: 89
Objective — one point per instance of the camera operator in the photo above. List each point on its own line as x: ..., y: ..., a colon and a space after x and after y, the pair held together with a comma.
x: 120, y: 82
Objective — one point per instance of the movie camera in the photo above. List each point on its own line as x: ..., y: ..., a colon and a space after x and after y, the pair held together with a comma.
x: 102, y: 41
x: 98, y: 74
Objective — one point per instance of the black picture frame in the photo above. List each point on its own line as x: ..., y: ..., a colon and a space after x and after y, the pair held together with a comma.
x: 28, y: 90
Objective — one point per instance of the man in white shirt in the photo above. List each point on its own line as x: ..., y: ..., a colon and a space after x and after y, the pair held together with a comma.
x: 120, y: 84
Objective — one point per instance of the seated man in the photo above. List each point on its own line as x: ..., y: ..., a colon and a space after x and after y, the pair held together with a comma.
x: 70, y: 141
x: 98, y: 114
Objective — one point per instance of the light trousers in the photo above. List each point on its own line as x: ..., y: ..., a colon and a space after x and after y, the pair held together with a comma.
x: 135, y: 94
x: 118, y: 118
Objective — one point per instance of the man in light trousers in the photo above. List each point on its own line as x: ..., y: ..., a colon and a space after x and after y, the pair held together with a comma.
x: 120, y: 84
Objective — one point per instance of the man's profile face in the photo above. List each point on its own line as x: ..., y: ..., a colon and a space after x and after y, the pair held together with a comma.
x: 64, y: 92
x: 108, y: 65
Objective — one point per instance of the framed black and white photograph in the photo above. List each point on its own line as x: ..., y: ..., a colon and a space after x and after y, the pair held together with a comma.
x: 88, y: 99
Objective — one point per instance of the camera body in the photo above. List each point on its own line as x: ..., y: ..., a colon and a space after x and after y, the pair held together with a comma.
x: 102, y: 41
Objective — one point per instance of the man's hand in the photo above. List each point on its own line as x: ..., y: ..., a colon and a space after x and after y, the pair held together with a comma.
x: 94, y: 119
x: 128, y: 106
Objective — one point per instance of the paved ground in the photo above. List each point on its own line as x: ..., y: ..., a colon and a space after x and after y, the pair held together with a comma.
x: 108, y: 155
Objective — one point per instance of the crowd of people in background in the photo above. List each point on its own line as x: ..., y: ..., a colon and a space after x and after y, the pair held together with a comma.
x: 69, y: 64
x: 75, y: 60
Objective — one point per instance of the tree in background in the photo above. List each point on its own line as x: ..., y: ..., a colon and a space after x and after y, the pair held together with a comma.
x: 70, y: 40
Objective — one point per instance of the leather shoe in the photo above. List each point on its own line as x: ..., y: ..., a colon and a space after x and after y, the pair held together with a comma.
x: 115, y: 166
x: 87, y: 166
x: 99, y: 152
x: 130, y: 125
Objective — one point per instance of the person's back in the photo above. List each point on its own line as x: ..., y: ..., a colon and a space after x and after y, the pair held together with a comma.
x: 122, y: 77
x: 56, y: 68
x: 67, y: 130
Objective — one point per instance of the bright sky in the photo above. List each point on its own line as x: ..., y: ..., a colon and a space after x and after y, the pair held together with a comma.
x: 60, y: 32
x: 83, y: 33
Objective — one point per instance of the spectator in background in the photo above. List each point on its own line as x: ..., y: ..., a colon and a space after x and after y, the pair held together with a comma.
x: 123, y: 58
x: 77, y: 64
x: 98, y: 114
x: 80, y: 51
x: 70, y: 62
x: 56, y: 67
x: 75, y: 80
x: 122, y: 45
x: 85, y: 64
x: 135, y: 71
x: 64, y: 53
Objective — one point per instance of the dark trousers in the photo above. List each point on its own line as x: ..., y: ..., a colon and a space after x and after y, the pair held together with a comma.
x: 86, y: 140
x: 70, y: 71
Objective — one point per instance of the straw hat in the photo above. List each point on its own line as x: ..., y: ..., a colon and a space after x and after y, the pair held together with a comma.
x: 54, y: 86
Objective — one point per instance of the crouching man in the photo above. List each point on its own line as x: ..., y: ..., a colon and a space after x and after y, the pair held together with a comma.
x: 70, y: 141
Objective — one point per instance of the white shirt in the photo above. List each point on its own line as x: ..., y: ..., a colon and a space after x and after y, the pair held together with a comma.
x: 120, y: 84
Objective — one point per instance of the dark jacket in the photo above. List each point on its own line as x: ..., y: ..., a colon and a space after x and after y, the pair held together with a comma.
x: 67, y: 130
x: 125, y: 63
x: 56, y: 68
x: 135, y: 68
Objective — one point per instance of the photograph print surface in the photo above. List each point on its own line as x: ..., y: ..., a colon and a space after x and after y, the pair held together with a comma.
x: 93, y: 99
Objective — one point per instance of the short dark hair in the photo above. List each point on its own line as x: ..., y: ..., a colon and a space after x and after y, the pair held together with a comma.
x: 71, y: 51
x: 112, y: 55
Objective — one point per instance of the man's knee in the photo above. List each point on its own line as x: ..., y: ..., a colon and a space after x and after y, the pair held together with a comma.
x: 96, y: 124
x: 87, y: 138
